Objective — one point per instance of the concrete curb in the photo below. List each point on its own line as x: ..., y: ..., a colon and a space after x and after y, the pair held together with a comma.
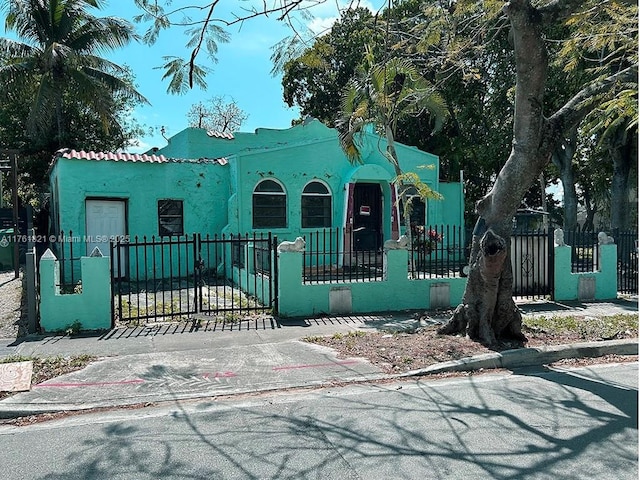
x: 529, y: 357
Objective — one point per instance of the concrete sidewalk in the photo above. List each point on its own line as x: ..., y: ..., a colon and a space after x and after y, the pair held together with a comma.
x: 162, y: 363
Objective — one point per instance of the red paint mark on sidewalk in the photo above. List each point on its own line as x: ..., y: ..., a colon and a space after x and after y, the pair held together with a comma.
x: 316, y: 365
x: 219, y: 375
x: 89, y: 384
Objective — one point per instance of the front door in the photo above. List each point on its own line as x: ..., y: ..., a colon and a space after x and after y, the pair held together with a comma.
x: 367, y: 216
x: 105, y: 221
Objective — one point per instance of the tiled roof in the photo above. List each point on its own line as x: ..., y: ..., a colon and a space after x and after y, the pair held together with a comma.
x: 227, y: 135
x: 125, y: 157
x: 134, y: 157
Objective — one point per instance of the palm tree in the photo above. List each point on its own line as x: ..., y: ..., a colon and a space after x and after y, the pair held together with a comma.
x: 57, y: 52
x: 381, y: 94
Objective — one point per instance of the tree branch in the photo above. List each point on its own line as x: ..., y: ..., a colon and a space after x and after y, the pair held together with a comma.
x: 578, y: 107
x: 559, y: 10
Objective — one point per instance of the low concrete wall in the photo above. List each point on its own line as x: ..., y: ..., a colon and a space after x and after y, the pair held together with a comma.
x: 91, y: 308
x: 395, y: 292
x: 599, y: 285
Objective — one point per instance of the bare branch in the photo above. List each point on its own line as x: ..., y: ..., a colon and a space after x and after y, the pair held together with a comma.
x: 574, y: 111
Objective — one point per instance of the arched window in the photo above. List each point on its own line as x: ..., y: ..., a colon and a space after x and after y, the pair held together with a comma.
x: 316, y: 205
x: 269, y: 205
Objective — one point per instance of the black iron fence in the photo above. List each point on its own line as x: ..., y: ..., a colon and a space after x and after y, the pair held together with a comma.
x: 154, y: 278
x: 438, y: 251
x: 176, y: 278
x: 532, y: 263
x: 584, y: 250
x: 69, y: 250
x: 332, y: 255
x: 627, y: 242
x: 236, y: 274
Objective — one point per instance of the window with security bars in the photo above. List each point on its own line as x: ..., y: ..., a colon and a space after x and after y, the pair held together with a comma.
x: 269, y: 205
x: 170, y: 218
x: 316, y: 206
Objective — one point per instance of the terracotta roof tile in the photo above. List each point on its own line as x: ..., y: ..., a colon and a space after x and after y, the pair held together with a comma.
x: 122, y: 156
x: 227, y: 135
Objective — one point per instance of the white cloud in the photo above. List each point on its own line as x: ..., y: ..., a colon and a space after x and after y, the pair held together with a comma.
x: 327, y: 13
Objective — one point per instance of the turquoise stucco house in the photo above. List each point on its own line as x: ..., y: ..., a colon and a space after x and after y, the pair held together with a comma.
x: 289, y: 182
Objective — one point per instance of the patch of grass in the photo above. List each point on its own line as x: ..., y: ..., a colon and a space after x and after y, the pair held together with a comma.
x: 131, y: 312
x: 607, y: 327
x: 313, y: 339
x: 231, y: 317
x: 51, y: 367
x: 349, y: 337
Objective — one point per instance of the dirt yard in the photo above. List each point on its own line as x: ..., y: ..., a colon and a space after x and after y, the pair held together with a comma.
x: 13, y: 321
x: 403, y: 352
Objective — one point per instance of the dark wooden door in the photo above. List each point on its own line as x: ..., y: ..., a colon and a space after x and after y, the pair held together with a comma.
x: 367, y: 216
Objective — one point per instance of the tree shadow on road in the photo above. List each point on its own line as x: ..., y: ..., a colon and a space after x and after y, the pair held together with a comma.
x: 537, y: 424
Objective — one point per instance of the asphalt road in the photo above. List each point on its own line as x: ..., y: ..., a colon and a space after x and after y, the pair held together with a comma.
x: 536, y: 424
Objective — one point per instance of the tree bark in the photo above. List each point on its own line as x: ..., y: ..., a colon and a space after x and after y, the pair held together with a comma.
x: 562, y: 158
x: 621, y: 151
x: 488, y: 312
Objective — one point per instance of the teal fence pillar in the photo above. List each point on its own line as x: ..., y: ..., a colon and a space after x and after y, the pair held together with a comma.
x: 395, y: 266
x: 90, y: 309
x: 599, y: 285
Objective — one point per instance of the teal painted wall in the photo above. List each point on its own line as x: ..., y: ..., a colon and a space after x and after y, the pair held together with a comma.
x: 203, y: 187
x: 567, y: 284
x: 451, y: 207
x: 91, y: 308
x: 395, y: 292
x: 218, y: 198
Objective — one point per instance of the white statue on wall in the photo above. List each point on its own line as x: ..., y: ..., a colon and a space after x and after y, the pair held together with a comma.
x: 604, y: 239
x: 558, y: 237
x: 298, y: 245
x: 399, y: 244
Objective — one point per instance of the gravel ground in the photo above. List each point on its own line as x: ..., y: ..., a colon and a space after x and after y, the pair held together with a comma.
x: 13, y: 322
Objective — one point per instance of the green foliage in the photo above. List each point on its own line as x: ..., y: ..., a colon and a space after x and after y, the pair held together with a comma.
x: 74, y: 328
x: 315, y: 77
x: 410, y: 186
x: 603, y: 39
x: 181, y: 75
x: 382, y: 93
x: 69, y: 97
x: 58, y: 55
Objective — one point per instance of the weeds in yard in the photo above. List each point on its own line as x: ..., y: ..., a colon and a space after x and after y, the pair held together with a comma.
x: 51, y: 367
x: 73, y: 329
x: 605, y: 328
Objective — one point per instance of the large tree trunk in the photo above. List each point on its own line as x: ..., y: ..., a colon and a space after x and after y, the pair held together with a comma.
x: 562, y: 159
x: 488, y: 311
x: 621, y: 151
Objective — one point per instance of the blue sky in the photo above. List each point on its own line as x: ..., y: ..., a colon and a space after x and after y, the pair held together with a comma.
x: 241, y: 73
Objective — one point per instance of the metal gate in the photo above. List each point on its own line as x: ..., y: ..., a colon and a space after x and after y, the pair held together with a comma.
x: 180, y: 278
x: 532, y: 263
x: 627, y: 242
